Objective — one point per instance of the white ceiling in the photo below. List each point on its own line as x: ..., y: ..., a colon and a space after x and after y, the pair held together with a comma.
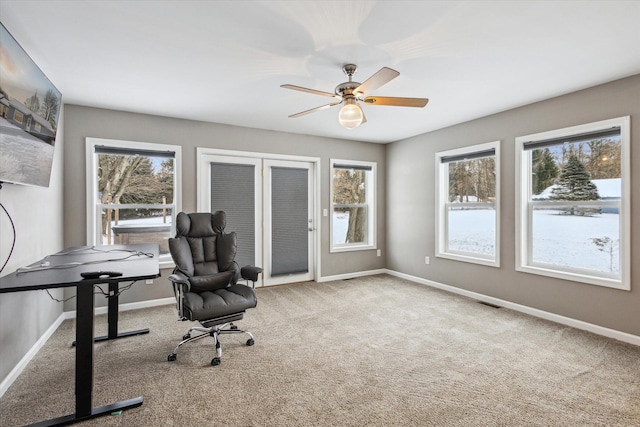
x: 224, y: 62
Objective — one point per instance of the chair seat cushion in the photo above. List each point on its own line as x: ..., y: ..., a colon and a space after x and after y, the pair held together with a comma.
x: 219, y: 302
x: 210, y: 282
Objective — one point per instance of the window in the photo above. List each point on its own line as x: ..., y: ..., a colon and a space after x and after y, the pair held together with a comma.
x: 467, y: 205
x: 573, y: 203
x: 353, y: 194
x: 17, y: 116
x: 132, y: 193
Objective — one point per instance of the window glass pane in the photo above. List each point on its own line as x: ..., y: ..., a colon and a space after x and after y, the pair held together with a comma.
x: 472, y: 181
x: 349, y: 186
x: 352, y: 195
x: 472, y: 229
x: 587, y: 241
x: 577, y: 171
x: 129, y: 226
x: 470, y: 208
x: 349, y: 225
x: 135, y: 180
x: 577, y: 236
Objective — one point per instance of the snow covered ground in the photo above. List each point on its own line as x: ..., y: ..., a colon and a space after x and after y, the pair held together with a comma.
x: 23, y: 158
x: 561, y: 240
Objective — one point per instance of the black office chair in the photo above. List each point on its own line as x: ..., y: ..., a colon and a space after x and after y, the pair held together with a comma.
x: 205, y: 279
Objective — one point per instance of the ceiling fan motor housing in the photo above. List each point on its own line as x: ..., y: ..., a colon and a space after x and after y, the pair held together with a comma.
x: 347, y: 88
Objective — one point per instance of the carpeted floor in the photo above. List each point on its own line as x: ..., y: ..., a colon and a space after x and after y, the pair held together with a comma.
x: 374, y: 351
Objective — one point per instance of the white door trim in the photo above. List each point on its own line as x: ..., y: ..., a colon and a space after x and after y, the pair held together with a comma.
x: 203, y: 179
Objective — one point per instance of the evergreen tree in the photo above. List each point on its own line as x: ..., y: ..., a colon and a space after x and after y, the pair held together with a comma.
x: 544, y: 168
x: 574, y: 185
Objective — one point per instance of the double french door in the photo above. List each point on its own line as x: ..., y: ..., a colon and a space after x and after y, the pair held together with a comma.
x: 270, y: 204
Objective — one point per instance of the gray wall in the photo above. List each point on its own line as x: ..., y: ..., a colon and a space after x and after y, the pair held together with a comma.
x: 411, y: 207
x: 82, y: 122
x: 37, y: 215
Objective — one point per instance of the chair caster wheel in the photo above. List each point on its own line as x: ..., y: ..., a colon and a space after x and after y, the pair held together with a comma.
x: 233, y: 327
x: 250, y: 342
x: 172, y: 357
x: 215, y: 361
x: 186, y: 336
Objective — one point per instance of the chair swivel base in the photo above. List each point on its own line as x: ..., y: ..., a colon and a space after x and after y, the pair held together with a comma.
x: 213, y: 332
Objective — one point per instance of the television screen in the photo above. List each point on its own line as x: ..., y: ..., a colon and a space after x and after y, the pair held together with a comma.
x: 29, y: 112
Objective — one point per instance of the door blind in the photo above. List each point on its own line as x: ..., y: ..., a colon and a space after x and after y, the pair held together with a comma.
x: 289, y: 221
x: 233, y: 191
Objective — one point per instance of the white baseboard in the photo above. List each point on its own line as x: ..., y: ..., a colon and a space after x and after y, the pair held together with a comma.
x: 22, y: 364
x: 574, y: 323
x: 351, y: 275
x: 127, y: 306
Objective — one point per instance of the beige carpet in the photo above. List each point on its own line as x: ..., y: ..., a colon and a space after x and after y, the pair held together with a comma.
x: 376, y: 351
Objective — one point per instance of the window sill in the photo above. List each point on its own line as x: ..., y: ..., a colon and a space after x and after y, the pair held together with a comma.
x: 469, y: 258
x: 166, y: 263
x: 353, y: 248
x: 576, y: 277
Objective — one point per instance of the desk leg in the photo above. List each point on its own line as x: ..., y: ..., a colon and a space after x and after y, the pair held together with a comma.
x: 112, y: 318
x: 84, y: 367
x: 84, y: 350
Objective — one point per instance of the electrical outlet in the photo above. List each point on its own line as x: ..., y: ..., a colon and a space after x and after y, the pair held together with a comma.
x: 426, y: 260
x: 379, y: 253
x: 325, y: 212
x: 149, y: 282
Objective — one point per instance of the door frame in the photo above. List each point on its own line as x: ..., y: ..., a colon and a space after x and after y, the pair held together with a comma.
x: 204, y: 156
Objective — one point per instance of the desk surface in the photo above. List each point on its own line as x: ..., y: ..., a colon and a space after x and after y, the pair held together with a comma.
x: 63, y: 268
x: 135, y: 262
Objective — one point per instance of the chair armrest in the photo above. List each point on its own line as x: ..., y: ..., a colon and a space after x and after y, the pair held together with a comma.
x: 250, y: 272
x: 181, y: 286
x: 179, y: 278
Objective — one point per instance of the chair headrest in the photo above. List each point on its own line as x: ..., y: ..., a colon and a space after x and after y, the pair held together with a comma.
x: 200, y: 224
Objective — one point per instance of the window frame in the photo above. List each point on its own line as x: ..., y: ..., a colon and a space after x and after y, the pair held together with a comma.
x: 442, y: 199
x: 92, y: 183
x: 370, y: 204
x: 524, y: 207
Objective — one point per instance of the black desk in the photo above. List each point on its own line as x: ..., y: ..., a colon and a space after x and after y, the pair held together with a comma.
x: 134, y: 264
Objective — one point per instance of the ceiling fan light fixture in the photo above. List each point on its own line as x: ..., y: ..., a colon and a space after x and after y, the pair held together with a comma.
x: 351, y: 115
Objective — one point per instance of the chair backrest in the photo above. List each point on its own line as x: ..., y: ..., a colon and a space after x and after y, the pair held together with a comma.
x: 201, y: 247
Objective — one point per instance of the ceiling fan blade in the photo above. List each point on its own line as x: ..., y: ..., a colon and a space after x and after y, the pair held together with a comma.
x: 396, y: 102
x: 313, y: 110
x: 382, y: 77
x: 316, y: 92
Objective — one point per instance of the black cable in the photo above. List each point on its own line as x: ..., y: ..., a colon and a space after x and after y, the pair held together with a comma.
x: 120, y: 290
x: 13, y: 244
x: 59, y: 300
x: 106, y: 294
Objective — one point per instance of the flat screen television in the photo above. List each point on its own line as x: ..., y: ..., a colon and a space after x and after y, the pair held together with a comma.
x: 29, y: 113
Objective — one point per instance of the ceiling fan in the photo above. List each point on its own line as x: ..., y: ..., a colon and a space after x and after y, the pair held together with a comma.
x: 351, y: 115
